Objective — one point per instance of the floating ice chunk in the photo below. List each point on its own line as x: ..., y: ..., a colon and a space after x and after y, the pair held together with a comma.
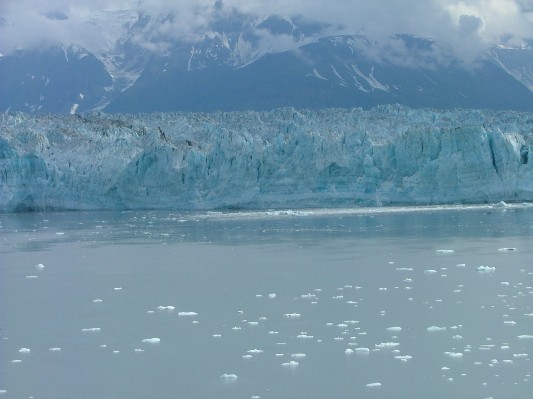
x: 151, y: 340
x: 404, y: 358
x: 374, y: 385
x: 115, y: 352
x: 217, y: 335
x: 304, y: 336
x: 436, y: 329
x: 253, y: 323
x: 103, y: 346
x: 16, y: 361
x: 30, y: 277
x: 430, y: 271
x: 337, y: 297
x: 54, y: 349
x: 255, y: 351
x: 91, y: 329
x: 138, y: 350
x: 351, y: 321
x: 308, y: 296
x: 525, y: 337
x: 236, y: 328
x: 501, y: 204
x: 290, y: 364
x: 273, y: 332
x: 298, y: 355
x: 39, y: 266
x: 167, y: 308
x: 263, y: 318
x: 2, y: 391
x: 387, y: 345
x: 485, y: 269
x: 457, y: 337
x: 455, y: 355
x: 98, y: 300
x: 259, y: 296
x: 460, y: 265
x: 247, y: 356
x: 348, y: 351
x: 189, y: 314
x: 395, y: 329
x: 292, y: 315
x: 229, y: 377
x: 520, y: 355
x: 117, y: 288
x: 342, y: 325
x: 272, y: 296
x: 509, y: 322
x: 445, y: 251
x: 24, y: 350
x: 506, y: 249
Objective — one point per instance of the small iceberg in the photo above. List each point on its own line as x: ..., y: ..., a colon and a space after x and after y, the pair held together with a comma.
x: 169, y: 308
x: 292, y: 315
x: 506, y: 249
x: 91, y: 329
x: 151, y: 340
x: 24, y: 350
x: 291, y: 364
x: 486, y: 269
x: 454, y: 355
x: 436, y: 329
x: 445, y: 251
x: 39, y: 266
x: 229, y: 377
x: 374, y: 385
x: 187, y: 314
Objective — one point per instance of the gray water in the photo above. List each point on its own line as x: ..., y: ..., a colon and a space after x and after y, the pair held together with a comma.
x: 268, y: 304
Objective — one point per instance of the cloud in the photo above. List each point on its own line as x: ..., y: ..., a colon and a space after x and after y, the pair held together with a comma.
x: 467, y: 27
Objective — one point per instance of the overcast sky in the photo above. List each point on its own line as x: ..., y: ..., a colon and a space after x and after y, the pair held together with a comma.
x: 468, y: 26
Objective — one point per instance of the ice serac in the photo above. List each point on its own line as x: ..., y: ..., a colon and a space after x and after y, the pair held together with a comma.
x: 283, y: 158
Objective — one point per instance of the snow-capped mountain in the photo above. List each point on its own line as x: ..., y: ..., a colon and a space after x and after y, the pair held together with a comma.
x: 240, y: 62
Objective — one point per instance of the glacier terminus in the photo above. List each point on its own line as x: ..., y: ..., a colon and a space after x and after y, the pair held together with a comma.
x: 388, y: 155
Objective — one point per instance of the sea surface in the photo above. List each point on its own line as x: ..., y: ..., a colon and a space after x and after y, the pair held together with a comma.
x: 355, y: 303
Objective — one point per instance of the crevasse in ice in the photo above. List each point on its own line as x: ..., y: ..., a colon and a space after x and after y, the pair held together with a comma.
x: 281, y: 158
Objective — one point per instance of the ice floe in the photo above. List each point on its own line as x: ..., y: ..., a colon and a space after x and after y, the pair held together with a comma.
x: 436, y: 329
x: 292, y: 315
x: 187, y: 314
x: 39, y: 266
x: 91, y: 329
x: 169, y: 308
x: 229, y: 377
x: 151, y: 340
x: 24, y: 350
x: 374, y: 385
x: 290, y: 364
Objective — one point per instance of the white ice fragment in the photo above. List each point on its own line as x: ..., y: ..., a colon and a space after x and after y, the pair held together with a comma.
x: 455, y: 355
x: 387, y: 345
x: 138, y: 350
x: 430, y: 271
x: 272, y: 296
x: 31, y: 277
x: 169, y: 308
x: 304, y: 336
x: 348, y: 351
x: 117, y: 288
x: 298, y: 355
x: 525, y: 337
x: 374, y: 385
x: 2, y: 391
x: 255, y: 351
x: 151, y: 340
x: 395, y: 329
x: 253, y: 323
x: 91, y: 329
x: 189, y: 314
x: 445, y: 251
x: 273, y: 332
x: 54, y: 349
x: 436, y: 329
x: 520, y: 355
x: 290, y: 364
x: 247, y: 356
x: 461, y: 265
x: 217, y: 335
x: 229, y: 377
x: 39, y: 266
x: 98, y: 300
x: 24, y: 350
x: 485, y: 269
x: 16, y: 361
x: 506, y: 249
x: 292, y: 315
x: 404, y: 358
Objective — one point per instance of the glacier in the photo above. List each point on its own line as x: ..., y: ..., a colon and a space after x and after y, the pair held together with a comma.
x: 389, y: 155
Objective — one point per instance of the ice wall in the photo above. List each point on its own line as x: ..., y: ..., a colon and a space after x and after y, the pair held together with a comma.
x: 282, y: 158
